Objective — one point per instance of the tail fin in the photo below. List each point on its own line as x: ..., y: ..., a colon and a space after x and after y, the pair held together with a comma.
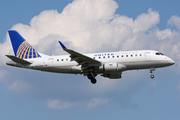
x: 22, y: 49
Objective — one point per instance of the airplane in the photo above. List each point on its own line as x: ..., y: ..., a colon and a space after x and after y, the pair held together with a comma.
x: 107, y: 64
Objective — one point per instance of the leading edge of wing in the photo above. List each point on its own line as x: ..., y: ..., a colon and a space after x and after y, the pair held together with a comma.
x: 79, y: 58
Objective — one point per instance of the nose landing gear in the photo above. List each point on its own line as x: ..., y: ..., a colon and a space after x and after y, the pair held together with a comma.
x: 152, y: 76
x: 151, y: 71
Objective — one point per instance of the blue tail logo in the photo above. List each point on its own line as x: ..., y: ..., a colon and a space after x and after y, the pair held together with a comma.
x: 22, y: 49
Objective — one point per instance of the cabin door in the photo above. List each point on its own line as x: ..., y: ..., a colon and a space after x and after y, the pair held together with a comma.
x: 50, y: 62
x: 147, y: 56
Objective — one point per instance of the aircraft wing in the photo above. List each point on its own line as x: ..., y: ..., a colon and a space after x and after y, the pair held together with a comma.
x: 81, y: 59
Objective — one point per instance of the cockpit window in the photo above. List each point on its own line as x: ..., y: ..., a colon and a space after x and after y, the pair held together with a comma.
x: 159, y: 53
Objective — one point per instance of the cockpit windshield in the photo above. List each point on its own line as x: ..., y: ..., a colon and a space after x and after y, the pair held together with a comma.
x: 161, y: 54
x: 158, y: 53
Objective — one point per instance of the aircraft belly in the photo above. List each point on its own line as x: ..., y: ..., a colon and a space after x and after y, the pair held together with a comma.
x: 146, y: 64
x: 58, y: 69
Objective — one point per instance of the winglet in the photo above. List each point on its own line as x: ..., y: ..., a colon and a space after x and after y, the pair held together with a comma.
x: 62, y: 45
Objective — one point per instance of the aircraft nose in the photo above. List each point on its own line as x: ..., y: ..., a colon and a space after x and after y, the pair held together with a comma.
x: 171, y: 62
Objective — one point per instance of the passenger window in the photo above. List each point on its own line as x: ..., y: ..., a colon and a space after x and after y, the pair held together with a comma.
x: 118, y: 56
x: 108, y: 56
x: 131, y: 55
x: 104, y: 57
x: 122, y: 55
x: 136, y: 55
x: 66, y: 59
x: 140, y: 55
x: 99, y: 57
x: 93, y: 57
x: 61, y: 59
x: 57, y: 59
x: 126, y: 55
x: 113, y: 56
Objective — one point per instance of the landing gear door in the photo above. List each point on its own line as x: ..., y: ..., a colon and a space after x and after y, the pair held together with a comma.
x: 147, y: 56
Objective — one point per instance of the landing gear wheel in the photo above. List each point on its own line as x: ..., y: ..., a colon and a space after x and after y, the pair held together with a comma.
x: 151, y: 71
x: 92, y: 78
x: 152, y: 76
x: 93, y: 81
x: 89, y: 76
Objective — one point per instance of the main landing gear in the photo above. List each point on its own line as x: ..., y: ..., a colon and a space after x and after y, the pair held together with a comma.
x: 151, y: 71
x: 92, y: 78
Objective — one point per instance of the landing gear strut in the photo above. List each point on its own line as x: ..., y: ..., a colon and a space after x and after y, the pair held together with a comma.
x: 151, y: 71
x: 92, y: 78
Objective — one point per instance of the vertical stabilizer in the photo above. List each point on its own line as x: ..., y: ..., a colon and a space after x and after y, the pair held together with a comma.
x: 22, y: 49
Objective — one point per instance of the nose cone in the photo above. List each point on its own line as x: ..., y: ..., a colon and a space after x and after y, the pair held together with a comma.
x: 171, y: 62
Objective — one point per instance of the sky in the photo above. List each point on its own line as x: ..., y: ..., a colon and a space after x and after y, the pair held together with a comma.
x: 89, y: 26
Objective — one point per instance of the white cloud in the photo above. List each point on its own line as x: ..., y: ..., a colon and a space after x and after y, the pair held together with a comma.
x: 146, y: 21
x: 5, y: 48
x: 91, y: 10
x: 142, y: 23
x: 59, y: 105
x: 97, y: 102
x: 167, y: 33
x: 83, y: 26
x: 174, y: 21
x: 19, y: 87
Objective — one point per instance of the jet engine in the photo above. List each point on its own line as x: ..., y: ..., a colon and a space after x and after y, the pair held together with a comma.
x: 112, y: 67
x: 112, y: 75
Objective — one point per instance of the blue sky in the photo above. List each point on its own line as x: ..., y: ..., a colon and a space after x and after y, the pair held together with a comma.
x: 27, y: 94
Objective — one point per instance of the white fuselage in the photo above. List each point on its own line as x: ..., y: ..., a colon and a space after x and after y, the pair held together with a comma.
x: 110, y: 62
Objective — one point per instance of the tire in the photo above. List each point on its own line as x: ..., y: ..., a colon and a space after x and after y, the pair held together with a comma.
x: 89, y: 76
x: 93, y: 81
x: 152, y: 76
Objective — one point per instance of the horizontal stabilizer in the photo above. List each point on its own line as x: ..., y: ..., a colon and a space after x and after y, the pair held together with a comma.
x: 17, y: 60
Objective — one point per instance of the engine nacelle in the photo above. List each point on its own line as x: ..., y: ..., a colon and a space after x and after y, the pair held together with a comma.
x: 112, y: 67
x: 112, y: 75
